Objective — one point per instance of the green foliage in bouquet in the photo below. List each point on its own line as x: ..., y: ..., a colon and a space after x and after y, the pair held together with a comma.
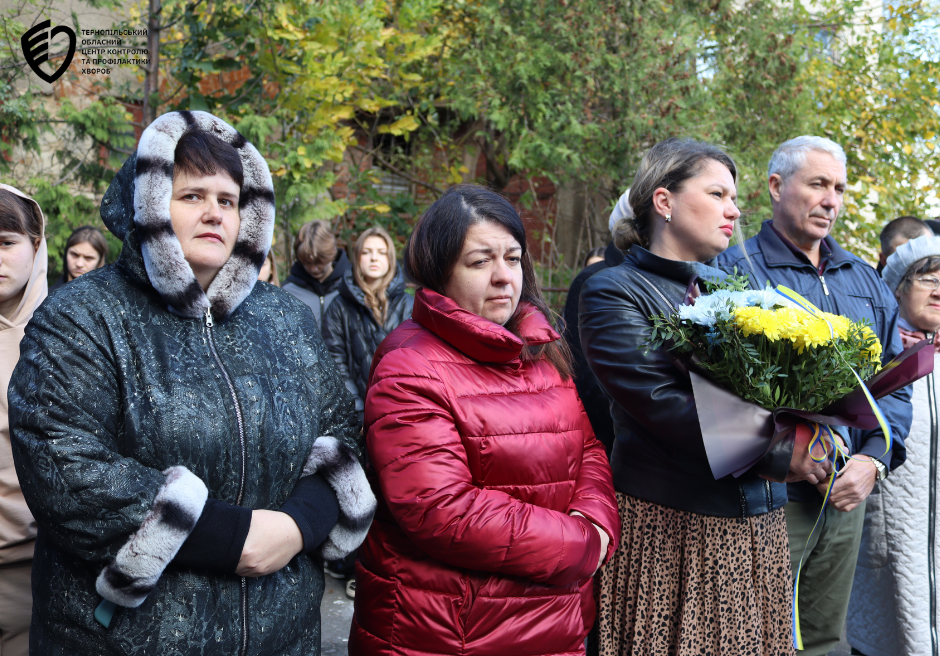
x: 758, y: 345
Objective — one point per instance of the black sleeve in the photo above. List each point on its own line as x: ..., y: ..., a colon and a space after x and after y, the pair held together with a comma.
x: 314, y: 507
x: 217, y: 541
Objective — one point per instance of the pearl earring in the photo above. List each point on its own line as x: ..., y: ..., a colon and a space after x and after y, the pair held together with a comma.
x: 668, y: 218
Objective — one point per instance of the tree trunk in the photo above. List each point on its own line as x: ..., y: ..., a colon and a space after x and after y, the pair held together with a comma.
x: 152, y: 71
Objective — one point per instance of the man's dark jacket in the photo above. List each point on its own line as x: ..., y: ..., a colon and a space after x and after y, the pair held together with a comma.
x: 592, y: 394
x: 848, y: 287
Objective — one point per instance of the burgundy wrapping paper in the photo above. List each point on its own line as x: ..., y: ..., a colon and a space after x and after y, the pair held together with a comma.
x: 738, y: 433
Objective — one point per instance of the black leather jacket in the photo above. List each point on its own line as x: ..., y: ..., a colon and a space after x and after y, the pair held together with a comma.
x: 658, y: 454
x: 352, y: 334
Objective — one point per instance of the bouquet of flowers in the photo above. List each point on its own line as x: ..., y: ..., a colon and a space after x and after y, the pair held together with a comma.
x: 763, y: 361
x: 769, y: 351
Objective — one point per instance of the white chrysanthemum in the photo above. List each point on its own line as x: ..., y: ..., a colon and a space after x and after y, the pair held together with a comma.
x: 702, y: 314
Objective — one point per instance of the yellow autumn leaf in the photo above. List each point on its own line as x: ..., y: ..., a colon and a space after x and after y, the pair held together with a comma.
x: 401, y: 126
x: 383, y: 209
x: 342, y: 113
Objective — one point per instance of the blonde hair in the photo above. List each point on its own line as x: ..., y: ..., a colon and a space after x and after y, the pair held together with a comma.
x: 377, y: 299
x: 315, y: 244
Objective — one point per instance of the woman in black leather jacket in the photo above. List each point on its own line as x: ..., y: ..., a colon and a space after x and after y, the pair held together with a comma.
x: 703, y: 565
x: 372, y: 302
x: 178, y: 430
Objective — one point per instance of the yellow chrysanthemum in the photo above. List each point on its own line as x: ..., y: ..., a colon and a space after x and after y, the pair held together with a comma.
x: 748, y: 320
x: 840, y: 324
x: 874, y: 353
x: 799, y: 327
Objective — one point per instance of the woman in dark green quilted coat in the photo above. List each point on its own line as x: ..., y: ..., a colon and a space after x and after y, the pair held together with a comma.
x: 179, y: 430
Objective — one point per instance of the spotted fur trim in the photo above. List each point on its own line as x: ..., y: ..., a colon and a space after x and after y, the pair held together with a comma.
x: 167, y: 269
x: 138, y: 565
x: 337, y: 463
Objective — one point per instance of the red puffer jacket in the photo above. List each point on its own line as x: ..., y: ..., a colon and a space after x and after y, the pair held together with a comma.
x: 477, y: 457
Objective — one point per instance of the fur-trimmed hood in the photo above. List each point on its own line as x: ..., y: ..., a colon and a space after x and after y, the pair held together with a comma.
x: 139, y: 199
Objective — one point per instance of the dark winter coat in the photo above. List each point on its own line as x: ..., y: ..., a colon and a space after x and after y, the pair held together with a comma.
x: 592, y: 394
x: 315, y: 294
x: 352, y: 334
x: 850, y: 287
x: 140, y: 400
x: 659, y: 455
x: 479, y: 457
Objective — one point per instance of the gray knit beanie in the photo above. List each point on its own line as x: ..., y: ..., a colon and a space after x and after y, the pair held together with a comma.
x: 906, y: 255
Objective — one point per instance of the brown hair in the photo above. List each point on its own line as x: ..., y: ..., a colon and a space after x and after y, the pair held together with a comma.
x: 906, y: 226
x: 437, y: 241
x: 19, y: 216
x: 200, y: 153
x: 315, y: 244
x: 85, y: 235
x: 668, y: 164
x: 377, y: 299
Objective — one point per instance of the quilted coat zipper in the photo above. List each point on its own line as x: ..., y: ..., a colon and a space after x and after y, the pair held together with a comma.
x: 243, y: 648
x: 932, y: 508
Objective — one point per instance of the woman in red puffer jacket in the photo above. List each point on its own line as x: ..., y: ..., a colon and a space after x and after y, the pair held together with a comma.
x: 496, y: 504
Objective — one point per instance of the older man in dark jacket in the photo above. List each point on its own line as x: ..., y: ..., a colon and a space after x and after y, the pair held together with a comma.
x: 807, y: 179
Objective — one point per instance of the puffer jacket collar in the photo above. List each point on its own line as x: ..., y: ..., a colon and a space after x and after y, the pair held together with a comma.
x: 476, y: 337
x: 139, y: 198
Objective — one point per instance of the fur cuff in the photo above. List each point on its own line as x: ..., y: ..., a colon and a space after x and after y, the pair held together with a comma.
x: 138, y: 565
x: 337, y: 463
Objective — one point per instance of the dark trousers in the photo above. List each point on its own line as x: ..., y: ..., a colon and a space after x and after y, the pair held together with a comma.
x: 828, y: 570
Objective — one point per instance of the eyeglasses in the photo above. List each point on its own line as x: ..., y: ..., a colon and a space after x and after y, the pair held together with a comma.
x: 927, y: 284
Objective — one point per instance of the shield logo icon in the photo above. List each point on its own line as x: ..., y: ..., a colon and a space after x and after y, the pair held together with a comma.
x: 36, y: 49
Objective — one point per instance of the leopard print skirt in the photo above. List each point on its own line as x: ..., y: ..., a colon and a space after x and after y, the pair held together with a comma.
x: 683, y: 584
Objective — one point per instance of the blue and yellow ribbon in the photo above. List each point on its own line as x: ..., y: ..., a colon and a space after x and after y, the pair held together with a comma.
x: 818, y: 438
x: 792, y: 296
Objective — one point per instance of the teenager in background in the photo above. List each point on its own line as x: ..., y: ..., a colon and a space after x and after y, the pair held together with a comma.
x: 85, y: 250
x: 23, y: 263
x: 318, y: 269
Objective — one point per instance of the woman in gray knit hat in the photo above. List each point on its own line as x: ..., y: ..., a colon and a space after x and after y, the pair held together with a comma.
x: 894, y: 604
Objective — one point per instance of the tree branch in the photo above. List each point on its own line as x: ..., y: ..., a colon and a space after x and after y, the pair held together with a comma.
x: 393, y: 169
